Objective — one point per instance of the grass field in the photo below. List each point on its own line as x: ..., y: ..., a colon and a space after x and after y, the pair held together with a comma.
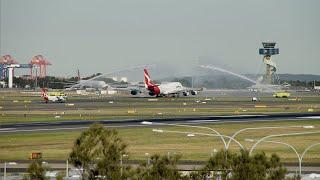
x: 57, y: 145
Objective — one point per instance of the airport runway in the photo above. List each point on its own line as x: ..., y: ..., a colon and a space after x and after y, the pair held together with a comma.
x: 83, y: 124
x: 218, y: 99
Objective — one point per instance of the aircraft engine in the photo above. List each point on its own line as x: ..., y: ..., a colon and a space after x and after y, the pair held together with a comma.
x: 134, y: 92
x: 185, y: 93
x: 193, y: 92
x: 151, y: 93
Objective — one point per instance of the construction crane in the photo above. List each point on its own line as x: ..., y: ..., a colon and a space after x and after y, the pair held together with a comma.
x: 4, y: 61
x: 7, y: 66
x: 41, y: 62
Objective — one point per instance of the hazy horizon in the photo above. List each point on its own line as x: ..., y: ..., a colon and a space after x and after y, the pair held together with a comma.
x: 101, y: 36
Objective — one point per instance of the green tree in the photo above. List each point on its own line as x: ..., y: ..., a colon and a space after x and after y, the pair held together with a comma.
x: 36, y: 170
x: 258, y: 166
x: 98, y: 151
x: 276, y: 169
x: 160, y: 167
x: 60, y: 176
x: 241, y: 166
x: 219, y: 164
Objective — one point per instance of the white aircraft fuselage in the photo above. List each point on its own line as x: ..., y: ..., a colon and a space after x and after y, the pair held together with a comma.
x: 165, y: 88
x: 60, y: 97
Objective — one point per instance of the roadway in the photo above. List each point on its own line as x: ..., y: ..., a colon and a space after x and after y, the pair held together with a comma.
x: 83, y: 124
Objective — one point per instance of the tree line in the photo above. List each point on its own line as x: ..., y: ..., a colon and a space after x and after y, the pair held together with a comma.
x: 98, y: 153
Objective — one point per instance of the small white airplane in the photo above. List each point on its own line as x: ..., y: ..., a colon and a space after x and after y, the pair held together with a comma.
x: 174, y: 89
x: 53, y: 97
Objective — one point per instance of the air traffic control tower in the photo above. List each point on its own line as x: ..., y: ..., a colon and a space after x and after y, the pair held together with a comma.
x: 267, y: 51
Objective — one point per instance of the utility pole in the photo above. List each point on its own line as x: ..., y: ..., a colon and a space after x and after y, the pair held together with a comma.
x: 36, y: 81
x: 67, y: 169
x: 5, y: 166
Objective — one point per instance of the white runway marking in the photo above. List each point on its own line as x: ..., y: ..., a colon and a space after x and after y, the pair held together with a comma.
x: 199, y: 121
x: 246, y: 115
x: 11, y: 130
x: 310, y: 117
x: 245, y: 121
x: 6, y: 129
x: 43, y: 129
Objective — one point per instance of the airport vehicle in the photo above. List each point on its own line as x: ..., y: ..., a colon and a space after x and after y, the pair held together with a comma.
x: 281, y: 94
x: 174, y: 89
x: 53, y: 96
x: 35, y: 155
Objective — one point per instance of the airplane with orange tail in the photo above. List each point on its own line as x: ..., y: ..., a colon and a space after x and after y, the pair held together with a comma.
x: 165, y: 89
x: 53, y: 96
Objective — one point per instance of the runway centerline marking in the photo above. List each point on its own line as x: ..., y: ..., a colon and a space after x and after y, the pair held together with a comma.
x: 310, y: 117
x: 6, y: 129
x: 198, y: 121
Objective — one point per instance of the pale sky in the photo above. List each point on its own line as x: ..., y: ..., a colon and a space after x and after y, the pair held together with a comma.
x: 103, y: 35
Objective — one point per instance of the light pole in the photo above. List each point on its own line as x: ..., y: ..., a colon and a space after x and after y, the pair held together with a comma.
x: 183, y: 125
x: 148, y: 158
x: 300, y: 157
x: 121, y: 163
x: 308, y: 148
x: 67, y: 168
x: 280, y: 135
x: 36, y: 80
x: 288, y: 145
x: 266, y: 127
x: 5, y: 169
x: 213, y: 152
x: 190, y: 134
x: 264, y: 139
x: 305, y: 151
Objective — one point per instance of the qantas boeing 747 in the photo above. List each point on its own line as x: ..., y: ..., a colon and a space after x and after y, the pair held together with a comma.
x: 166, y: 89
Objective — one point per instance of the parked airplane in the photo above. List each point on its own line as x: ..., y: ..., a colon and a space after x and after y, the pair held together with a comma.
x: 87, y: 84
x: 53, y: 97
x: 95, y: 84
x: 174, y: 89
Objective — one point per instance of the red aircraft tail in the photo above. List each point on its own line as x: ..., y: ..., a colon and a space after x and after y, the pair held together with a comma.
x: 44, y: 94
x: 147, y: 79
x: 154, y: 89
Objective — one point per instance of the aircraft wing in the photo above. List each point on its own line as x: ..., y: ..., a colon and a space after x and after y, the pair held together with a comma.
x: 193, y: 91
x: 184, y: 92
